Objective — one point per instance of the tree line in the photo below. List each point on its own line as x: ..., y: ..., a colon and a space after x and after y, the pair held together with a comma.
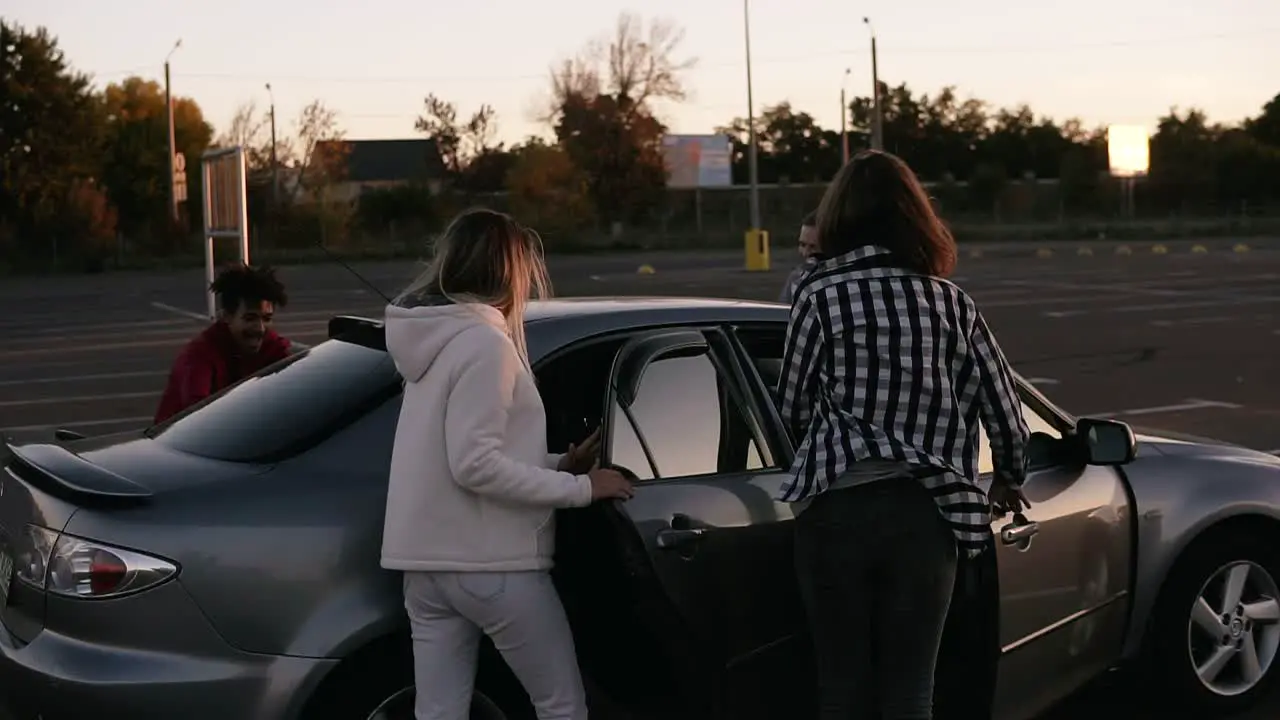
x: 84, y: 172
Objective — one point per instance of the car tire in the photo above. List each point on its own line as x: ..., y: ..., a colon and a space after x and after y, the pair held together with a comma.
x: 381, y: 691
x: 399, y: 706
x: 1180, y: 638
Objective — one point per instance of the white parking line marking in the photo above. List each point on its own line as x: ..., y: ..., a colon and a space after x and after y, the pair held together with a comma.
x: 1190, y: 404
x: 179, y: 311
x: 31, y: 333
x: 1042, y: 381
x: 82, y: 423
x: 1031, y: 300
x: 1235, y: 302
x: 1119, y: 288
x: 81, y: 378
x: 78, y: 399
x: 1192, y: 321
x: 98, y: 347
x: 1207, y: 303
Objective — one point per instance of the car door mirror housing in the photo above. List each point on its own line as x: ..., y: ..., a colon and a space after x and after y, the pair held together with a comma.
x: 1107, y: 442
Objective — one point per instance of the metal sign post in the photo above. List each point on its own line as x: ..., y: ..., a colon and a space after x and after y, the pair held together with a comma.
x: 226, y: 207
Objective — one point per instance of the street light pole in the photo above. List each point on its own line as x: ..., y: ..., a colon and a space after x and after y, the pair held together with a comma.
x: 877, y: 119
x: 173, y: 150
x: 752, y: 161
x: 844, y: 116
x: 275, y: 167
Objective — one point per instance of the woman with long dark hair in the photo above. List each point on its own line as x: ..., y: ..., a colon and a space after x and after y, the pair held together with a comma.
x: 888, y: 372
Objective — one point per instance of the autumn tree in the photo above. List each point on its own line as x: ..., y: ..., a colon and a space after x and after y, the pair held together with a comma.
x: 250, y: 128
x: 548, y: 191
x: 790, y: 145
x: 50, y: 145
x: 603, y: 112
x: 473, y: 158
x: 136, y: 159
x: 320, y: 158
x: 1265, y: 128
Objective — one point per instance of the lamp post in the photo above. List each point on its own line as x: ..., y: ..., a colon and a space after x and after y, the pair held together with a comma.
x: 275, y: 167
x: 844, y: 116
x: 752, y: 160
x: 757, y: 240
x: 173, y: 150
x: 877, y: 120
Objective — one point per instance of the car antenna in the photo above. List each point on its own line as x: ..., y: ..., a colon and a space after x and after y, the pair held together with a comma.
x: 334, y: 257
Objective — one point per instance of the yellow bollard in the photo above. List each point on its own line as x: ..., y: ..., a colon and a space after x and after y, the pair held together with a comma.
x: 645, y: 269
x: 757, y: 247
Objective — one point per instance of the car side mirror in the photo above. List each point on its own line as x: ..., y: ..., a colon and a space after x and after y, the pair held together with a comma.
x: 1107, y: 442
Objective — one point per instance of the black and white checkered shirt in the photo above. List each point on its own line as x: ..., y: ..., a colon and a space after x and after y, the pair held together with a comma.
x: 887, y: 364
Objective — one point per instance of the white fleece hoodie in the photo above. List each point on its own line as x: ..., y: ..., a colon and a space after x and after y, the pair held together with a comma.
x: 472, y: 486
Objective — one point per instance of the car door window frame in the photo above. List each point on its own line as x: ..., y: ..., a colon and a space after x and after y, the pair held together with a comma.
x: 727, y: 364
x: 765, y: 396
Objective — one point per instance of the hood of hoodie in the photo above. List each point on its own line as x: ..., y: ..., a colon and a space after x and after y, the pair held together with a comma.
x: 417, y: 332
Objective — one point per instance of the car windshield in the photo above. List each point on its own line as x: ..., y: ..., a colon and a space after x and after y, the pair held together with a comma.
x: 287, y: 407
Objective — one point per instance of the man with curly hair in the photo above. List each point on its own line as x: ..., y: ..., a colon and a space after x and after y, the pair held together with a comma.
x: 239, y: 343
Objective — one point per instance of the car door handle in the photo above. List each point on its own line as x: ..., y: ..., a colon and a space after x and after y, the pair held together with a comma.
x: 1015, y: 533
x: 673, y: 538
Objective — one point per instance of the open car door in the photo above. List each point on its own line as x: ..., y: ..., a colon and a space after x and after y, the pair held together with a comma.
x: 708, y: 547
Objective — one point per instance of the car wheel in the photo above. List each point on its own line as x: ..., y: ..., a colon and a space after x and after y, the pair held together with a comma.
x: 1216, y: 632
x: 399, y: 706
x: 380, y: 691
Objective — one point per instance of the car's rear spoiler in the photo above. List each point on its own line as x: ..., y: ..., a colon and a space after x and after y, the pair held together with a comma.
x: 357, y: 330
x: 64, y: 474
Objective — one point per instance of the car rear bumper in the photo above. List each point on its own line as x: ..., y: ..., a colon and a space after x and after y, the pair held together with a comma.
x: 56, y: 677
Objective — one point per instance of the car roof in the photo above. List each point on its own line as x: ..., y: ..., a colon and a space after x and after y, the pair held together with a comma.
x: 556, y: 323
x: 642, y: 309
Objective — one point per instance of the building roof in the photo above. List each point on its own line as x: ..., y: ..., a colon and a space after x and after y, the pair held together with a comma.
x: 386, y: 160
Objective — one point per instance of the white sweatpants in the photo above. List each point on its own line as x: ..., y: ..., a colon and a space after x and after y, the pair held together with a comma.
x: 519, y: 611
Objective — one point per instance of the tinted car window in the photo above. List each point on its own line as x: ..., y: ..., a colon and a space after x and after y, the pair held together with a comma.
x: 688, y: 419
x: 1035, y: 423
x: 287, y: 407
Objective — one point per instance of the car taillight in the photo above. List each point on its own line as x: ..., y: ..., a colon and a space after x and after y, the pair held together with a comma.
x: 75, y: 567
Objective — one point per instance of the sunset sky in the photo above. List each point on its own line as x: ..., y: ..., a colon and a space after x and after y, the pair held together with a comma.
x: 1105, y: 61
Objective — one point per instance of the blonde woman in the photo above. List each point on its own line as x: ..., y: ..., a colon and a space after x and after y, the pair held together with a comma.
x: 473, y: 491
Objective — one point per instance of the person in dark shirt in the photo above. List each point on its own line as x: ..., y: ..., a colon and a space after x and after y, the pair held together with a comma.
x: 889, y: 372
x: 239, y: 343
x: 808, y: 247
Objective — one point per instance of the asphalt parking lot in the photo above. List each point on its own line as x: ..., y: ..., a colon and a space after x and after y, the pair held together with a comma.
x: 1176, y: 336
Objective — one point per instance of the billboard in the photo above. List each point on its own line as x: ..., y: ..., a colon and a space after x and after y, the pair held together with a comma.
x: 1128, y: 150
x: 695, y: 161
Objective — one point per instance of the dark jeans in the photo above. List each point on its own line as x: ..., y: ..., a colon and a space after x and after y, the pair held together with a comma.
x: 968, y: 661
x: 876, y: 565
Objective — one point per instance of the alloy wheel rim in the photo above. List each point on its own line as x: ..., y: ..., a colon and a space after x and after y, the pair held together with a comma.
x: 397, y: 707
x: 1233, y: 633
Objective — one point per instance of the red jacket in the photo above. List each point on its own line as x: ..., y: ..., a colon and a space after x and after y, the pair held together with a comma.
x: 209, y: 363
